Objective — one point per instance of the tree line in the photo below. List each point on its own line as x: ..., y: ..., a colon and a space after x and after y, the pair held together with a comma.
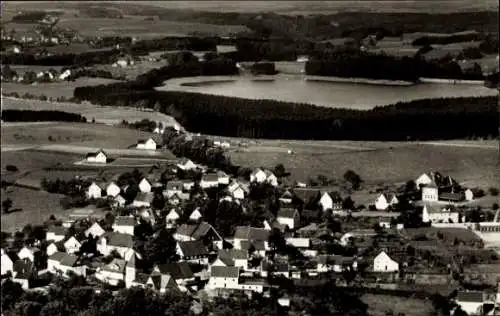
x: 237, y: 117
x: 40, y: 116
x: 66, y: 59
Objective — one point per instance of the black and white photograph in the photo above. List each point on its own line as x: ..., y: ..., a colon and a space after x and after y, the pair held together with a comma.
x: 250, y: 158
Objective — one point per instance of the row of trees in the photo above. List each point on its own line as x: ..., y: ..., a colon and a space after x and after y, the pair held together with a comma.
x: 66, y: 59
x: 236, y: 117
x: 40, y: 116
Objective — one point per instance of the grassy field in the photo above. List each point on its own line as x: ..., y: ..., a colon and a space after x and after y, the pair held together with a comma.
x: 378, y: 305
x: 449, y: 234
x: 53, y: 89
x: 21, y: 69
x: 131, y: 72
x: 106, y: 115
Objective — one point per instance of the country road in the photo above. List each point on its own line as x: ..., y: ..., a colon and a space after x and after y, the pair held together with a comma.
x: 471, y: 145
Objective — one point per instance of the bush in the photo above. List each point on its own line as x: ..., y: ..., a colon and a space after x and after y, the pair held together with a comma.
x: 11, y: 168
x: 493, y: 191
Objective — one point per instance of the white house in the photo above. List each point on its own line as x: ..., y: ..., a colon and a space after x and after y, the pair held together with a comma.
x: 262, y: 176
x: 430, y: 193
x: 303, y: 243
x: 113, y: 272
x: 330, y: 201
x: 383, y: 201
x: 97, y: 157
x: 6, y: 263
x: 201, y: 230
x: 424, y: 179
x: 143, y: 199
x: 434, y: 213
x: 124, y: 225
x: 186, y: 164
x: 72, y: 245
x: 224, y: 277
x: 384, y: 263
x: 65, y: 74
x: 173, y: 187
x: 196, y: 215
x: 250, y: 234
x: 469, y: 195
x: 172, y: 217
x: 147, y: 144
x: 122, y: 243
x: 94, y: 191
x: 119, y: 201
x: 69, y: 264
x: 27, y: 253
x: 55, y: 233
x: 51, y: 249
x: 223, y: 178
x: 145, y: 185
x: 471, y: 302
x: 209, y: 180
x: 95, y: 230
x: 289, y: 217
x: 113, y: 190
x: 238, y: 190
x: 187, y: 184
x: 192, y: 251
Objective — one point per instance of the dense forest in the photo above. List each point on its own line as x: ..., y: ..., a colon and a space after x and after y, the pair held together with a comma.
x: 228, y: 116
x: 40, y: 116
x: 69, y: 59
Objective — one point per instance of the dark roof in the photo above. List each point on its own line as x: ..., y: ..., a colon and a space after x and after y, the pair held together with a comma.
x: 307, y: 194
x: 141, y: 278
x: 117, y: 265
x: 119, y: 239
x: 196, y: 231
x: 57, y: 230
x: 210, y: 177
x: 124, y: 221
x: 145, y: 197
x: 58, y: 256
x: 174, y: 186
x: 193, y: 248
x: 334, y: 195
x: 225, y: 272
x: 287, y: 212
x: 93, y: 154
x: 178, y: 270
x: 251, y: 233
x: 470, y: 296
x: 68, y: 260
x: 451, y: 196
x: 23, y: 269
x: 225, y: 257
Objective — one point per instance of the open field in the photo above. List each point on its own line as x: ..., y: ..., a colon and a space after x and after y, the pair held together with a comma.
x: 378, y: 305
x: 53, y: 89
x: 450, y: 234
x: 131, y: 72
x: 21, y: 69
x: 106, y: 115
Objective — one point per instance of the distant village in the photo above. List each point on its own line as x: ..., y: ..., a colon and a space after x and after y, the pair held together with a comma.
x: 182, y: 228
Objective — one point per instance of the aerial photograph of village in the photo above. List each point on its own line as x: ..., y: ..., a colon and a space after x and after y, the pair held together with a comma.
x: 248, y: 158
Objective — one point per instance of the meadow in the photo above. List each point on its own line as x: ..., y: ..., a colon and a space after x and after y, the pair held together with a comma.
x: 379, y: 305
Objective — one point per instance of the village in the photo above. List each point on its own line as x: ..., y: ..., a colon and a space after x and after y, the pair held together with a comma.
x: 197, y: 229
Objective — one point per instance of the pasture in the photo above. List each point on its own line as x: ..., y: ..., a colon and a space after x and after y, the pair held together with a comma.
x: 131, y: 72
x: 53, y: 89
x: 379, y: 305
x: 106, y: 115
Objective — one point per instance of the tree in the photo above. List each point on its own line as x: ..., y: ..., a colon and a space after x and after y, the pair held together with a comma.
x: 277, y: 241
x: 6, y: 205
x: 410, y: 186
x: 353, y: 178
x: 279, y: 171
x: 348, y: 203
x: 11, y: 168
x: 160, y: 248
x: 493, y: 191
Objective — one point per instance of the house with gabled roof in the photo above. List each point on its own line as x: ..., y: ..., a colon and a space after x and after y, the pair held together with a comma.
x: 471, y: 302
x: 180, y: 271
x: 119, y: 201
x: 161, y: 282
x: 289, y: 217
x: 186, y: 165
x: 69, y: 264
x: 97, y: 157
x: 113, y: 272
x: 435, y: 213
x: 143, y: 199
x: 112, y: 189
x: 7, y: 264
x: 145, y: 185
x: 172, y: 217
x: 209, y: 180
x: 199, y: 231
x: 124, y: 225
x: 147, y: 144
x: 307, y: 196
x: 122, y: 243
x: 94, y: 191
x: 263, y: 176
x: 383, y: 263
x: 224, y: 277
x: 384, y: 201
x: 330, y: 201
x: 55, y: 233
x: 173, y: 187
x: 72, y: 245
x: 23, y: 272
x: 250, y: 236
x: 223, y: 177
x: 51, y: 249
x: 192, y: 251
x: 238, y: 190
x: 95, y: 230
x: 286, y: 197
x: 195, y: 215
x: 28, y: 253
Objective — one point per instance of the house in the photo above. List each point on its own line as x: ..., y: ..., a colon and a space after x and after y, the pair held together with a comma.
x: 384, y: 201
x: 122, y: 243
x: 145, y: 185
x: 113, y: 272
x: 209, y: 180
x: 72, y: 245
x: 433, y: 213
x: 177, y: 198
x: 51, y: 249
x: 238, y: 190
x: 23, y: 272
x: 95, y: 230
x: 192, y: 251
x: 28, y: 253
x: 430, y: 193
x: 55, y: 233
x: 97, y: 157
x: 196, y: 215
x: 200, y: 231
x: 186, y: 164
x: 286, y: 197
x: 289, y: 217
x: 223, y: 178
x: 335, y: 263
x: 161, y: 282
x: 231, y: 257
x: 147, y: 144
x: 119, y: 201
x: 471, y: 302
x: 330, y: 201
x: 452, y: 196
x: 301, y: 243
x: 172, y: 217
x: 223, y: 277
x: 7, y: 263
x: 469, y: 195
x: 112, y: 189
x: 384, y: 263
x: 187, y: 184
x: 307, y: 196
x: 263, y: 176
x: 143, y: 199
x: 173, y: 187
x: 65, y: 74
x: 94, y: 191
x: 250, y: 236
x: 69, y: 264
x: 180, y: 271
x: 124, y: 225
x: 424, y: 179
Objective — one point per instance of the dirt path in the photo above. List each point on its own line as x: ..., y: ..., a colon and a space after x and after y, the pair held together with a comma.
x: 484, y: 146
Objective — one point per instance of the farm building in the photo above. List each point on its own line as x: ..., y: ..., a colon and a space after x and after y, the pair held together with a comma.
x: 98, y: 157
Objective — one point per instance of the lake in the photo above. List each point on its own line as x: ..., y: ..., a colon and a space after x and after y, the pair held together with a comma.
x: 329, y: 94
